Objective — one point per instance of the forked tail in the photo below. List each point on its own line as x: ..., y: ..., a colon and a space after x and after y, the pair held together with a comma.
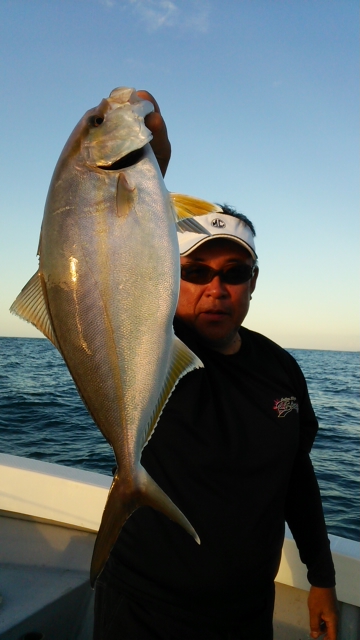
x: 121, y: 503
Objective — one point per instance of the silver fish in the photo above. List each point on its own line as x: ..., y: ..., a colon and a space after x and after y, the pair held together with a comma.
x: 106, y: 292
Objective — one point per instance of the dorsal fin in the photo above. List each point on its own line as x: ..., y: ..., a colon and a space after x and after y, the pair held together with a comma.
x: 30, y: 305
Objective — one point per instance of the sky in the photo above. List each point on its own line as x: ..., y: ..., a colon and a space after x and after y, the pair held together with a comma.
x: 261, y: 102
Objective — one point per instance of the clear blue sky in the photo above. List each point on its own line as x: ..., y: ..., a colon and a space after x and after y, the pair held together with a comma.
x: 261, y: 102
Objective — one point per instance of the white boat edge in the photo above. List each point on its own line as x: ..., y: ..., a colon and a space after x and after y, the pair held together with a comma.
x: 49, y: 517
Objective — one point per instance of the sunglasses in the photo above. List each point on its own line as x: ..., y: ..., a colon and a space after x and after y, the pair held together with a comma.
x: 202, y: 274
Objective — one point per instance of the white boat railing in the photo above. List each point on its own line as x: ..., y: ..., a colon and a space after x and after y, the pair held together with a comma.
x: 54, y: 494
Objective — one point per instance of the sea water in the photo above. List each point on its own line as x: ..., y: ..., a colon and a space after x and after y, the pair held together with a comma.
x: 42, y: 417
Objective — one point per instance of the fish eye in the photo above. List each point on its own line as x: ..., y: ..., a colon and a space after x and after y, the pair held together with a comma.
x: 96, y: 121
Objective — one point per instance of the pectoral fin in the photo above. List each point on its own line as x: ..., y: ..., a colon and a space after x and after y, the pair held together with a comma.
x: 30, y: 305
x: 124, y: 196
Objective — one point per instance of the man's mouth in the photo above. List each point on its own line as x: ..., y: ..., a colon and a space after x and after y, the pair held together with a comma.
x: 215, y: 312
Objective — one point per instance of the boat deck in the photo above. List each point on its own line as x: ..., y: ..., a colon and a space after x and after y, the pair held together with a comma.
x: 44, y: 580
x: 46, y: 546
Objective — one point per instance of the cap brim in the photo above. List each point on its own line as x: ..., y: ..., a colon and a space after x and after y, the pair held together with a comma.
x: 215, y: 226
x: 223, y: 236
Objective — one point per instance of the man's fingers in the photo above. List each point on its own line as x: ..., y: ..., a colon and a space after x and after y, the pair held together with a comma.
x: 160, y: 142
x: 145, y: 95
x: 323, y: 611
x: 331, y: 630
x: 315, y: 626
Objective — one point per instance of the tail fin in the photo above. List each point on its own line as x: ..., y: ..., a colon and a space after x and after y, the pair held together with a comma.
x: 120, y: 504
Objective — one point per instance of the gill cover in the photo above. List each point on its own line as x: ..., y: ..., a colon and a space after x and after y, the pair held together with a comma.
x: 116, y: 127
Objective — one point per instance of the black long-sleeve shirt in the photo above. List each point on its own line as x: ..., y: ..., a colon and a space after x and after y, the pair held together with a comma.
x: 231, y: 450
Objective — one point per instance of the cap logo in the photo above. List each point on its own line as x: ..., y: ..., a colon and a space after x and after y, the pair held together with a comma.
x: 216, y: 222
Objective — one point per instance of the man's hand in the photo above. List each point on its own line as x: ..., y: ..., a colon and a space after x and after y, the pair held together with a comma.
x: 160, y: 142
x: 323, y: 609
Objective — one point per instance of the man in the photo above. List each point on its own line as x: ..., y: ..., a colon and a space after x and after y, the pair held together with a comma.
x: 232, y: 451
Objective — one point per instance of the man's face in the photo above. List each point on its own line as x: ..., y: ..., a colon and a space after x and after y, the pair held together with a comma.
x: 216, y: 310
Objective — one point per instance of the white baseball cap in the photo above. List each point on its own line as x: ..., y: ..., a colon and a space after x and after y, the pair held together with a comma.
x: 214, y: 225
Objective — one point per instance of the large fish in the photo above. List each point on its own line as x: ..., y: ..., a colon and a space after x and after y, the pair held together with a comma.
x: 106, y: 292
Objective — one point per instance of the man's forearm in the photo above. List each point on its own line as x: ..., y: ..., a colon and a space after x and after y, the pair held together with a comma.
x: 304, y: 515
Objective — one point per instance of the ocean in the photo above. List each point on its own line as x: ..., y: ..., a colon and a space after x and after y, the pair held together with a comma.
x: 42, y: 417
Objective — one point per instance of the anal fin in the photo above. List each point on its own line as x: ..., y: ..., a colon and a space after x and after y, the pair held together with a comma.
x: 183, y: 360
x: 138, y: 488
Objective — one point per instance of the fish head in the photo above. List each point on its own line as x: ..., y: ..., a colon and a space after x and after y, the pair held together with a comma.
x: 115, y: 128
x: 109, y: 132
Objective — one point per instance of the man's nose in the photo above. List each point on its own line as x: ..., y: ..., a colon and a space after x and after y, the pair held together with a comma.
x: 217, y: 288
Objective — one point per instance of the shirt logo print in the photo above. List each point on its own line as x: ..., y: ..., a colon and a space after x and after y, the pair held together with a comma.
x: 285, y: 405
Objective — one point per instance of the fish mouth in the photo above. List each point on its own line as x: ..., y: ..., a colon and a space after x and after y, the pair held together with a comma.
x: 126, y: 161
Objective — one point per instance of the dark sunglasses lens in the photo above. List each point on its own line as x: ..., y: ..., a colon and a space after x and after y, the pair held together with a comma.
x: 203, y: 275
x: 237, y: 275
x: 197, y: 275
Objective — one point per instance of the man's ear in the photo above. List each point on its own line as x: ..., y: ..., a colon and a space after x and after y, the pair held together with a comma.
x: 254, y: 279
